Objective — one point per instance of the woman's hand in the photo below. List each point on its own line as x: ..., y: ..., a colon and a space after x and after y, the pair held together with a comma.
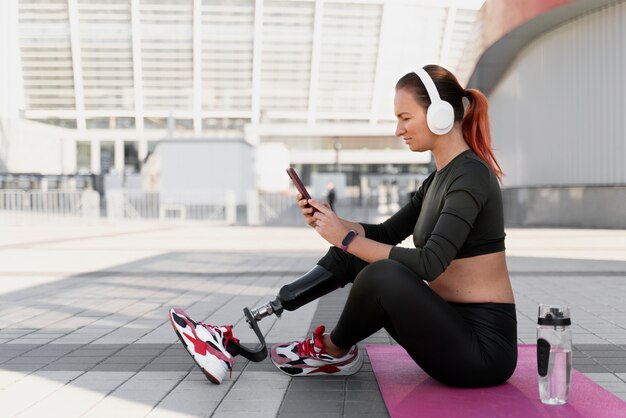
x: 307, y: 210
x: 327, y: 224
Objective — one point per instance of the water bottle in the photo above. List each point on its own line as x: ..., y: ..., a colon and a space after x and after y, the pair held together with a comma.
x: 554, y: 354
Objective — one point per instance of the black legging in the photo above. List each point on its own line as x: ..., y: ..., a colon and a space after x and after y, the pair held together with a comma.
x: 458, y: 344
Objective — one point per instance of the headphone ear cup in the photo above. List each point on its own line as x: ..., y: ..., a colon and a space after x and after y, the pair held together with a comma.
x: 440, y: 117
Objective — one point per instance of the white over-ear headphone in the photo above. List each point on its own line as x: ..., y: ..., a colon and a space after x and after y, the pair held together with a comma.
x: 439, y: 115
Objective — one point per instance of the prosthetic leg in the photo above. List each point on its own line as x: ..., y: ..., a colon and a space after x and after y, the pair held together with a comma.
x: 314, y: 284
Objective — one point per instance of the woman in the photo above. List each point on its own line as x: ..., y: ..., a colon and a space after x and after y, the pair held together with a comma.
x: 459, y: 327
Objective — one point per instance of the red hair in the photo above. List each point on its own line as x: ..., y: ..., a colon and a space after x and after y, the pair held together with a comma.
x: 476, y: 130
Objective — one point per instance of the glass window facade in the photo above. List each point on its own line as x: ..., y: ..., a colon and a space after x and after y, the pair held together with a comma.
x: 83, y: 157
x: 107, y: 157
x: 131, y: 157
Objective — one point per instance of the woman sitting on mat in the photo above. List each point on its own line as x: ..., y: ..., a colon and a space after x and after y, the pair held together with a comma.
x: 448, y: 301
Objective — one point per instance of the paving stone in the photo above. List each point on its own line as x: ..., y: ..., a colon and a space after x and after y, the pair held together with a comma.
x: 166, y: 367
x: 31, y: 360
x: 363, y: 406
x: 611, y: 354
x: 615, y: 387
x: 130, y: 352
x: 603, y: 377
x: 586, y: 360
x: 306, y: 414
x: 269, y: 384
x: 26, y: 368
x: 589, y: 368
x: 266, y: 367
x: 76, y: 359
x: 616, y: 368
x: 126, y: 360
x: 116, y: 367
x: 320, y: 395
x: 170, y: 360
x: 327, y: 406
x: 48, y: 351
x: 106, y: 347
x: 65, y: 367
x: 363, y: 396
x: 316, y: 385
x: 65, y: 399
x: 611, y: 360
x: 250, y: 414
x: 19, y: 347
x: 269, y: 407
x: 362, y: 385
x: 596, y: 347
x: 37, y: 385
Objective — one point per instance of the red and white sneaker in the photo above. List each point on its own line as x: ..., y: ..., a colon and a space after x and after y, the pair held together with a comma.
x: 308, y: 357
x: 206, y: 344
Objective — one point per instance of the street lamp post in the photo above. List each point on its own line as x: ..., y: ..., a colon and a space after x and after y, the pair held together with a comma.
x: 337, y: 146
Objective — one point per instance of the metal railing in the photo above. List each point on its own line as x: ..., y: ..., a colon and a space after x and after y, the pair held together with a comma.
x: 219, y: 207
x: 281, y: 209
x: 215, y: 206
x: 85, y: 203
x: 266, y: 208
x: 263, y: 208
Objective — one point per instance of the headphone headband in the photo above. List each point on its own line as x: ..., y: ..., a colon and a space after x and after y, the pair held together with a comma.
x: 428, y: 82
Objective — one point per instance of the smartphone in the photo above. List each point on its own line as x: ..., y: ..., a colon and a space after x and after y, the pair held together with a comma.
x: 299, y: 185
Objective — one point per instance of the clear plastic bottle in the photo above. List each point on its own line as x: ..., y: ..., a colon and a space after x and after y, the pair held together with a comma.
x: 554, y: 354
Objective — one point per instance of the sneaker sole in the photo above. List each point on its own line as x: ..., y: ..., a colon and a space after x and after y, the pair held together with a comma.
x: 347, y: 370
x: 211, y: 375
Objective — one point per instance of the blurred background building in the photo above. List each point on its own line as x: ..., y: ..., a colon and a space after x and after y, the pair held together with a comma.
x: 554, y: 74
x: 122, y: 74
x: 142, y: 94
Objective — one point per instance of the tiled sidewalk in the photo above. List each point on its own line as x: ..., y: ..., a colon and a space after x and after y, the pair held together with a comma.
x: 84, y: 329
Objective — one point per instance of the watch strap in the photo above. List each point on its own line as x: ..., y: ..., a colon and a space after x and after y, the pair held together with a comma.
x: 348, y: 239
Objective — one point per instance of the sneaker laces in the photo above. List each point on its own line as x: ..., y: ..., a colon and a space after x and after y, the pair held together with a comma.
x: 228, y: 334
x: 314, y: 346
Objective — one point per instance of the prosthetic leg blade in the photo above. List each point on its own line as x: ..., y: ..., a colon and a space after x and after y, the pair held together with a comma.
x: 256, y: 354
x: 314, y: 284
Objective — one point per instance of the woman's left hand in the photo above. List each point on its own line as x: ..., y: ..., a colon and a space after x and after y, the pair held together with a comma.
x: 327, y: 224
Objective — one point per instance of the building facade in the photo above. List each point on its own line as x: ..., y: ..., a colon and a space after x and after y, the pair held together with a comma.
x: 316, y: 75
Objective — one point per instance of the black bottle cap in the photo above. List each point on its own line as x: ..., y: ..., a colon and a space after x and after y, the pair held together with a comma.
x: 554, y: 318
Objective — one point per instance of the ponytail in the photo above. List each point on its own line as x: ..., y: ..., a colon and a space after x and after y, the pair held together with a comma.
x: 476, y: 131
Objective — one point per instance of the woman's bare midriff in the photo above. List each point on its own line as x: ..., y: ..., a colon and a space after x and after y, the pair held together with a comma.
x: 484, y: 278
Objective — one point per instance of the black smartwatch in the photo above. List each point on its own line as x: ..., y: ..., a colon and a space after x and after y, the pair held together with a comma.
x: 348, y: 239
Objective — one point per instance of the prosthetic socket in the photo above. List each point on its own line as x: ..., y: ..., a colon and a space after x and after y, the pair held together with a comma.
x: 316, y: 283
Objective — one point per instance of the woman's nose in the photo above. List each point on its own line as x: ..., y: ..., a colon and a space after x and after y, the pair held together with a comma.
x: 399, y: 129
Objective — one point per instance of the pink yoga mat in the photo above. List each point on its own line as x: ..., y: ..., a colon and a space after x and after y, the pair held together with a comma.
x: 409, y: 392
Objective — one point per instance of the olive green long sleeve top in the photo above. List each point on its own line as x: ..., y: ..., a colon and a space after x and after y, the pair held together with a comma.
x: 456, y: 213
